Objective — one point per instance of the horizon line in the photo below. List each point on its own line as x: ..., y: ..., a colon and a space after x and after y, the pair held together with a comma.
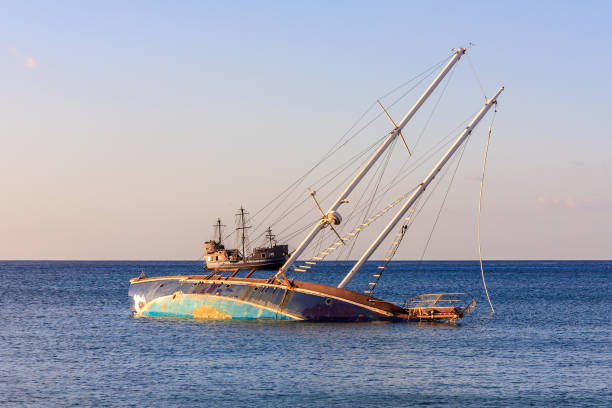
x: 346, y: 260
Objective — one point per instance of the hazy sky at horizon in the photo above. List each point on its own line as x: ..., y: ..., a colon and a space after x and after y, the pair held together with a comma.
x: 127, y: 128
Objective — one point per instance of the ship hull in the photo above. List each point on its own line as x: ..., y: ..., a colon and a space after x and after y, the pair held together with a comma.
x: 266, y: 264
x: 245, y: 298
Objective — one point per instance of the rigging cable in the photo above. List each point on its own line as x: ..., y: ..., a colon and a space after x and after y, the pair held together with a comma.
x: 297, y: 202
x: 484, y: 166
x: 340, y: 143
x: 353, y: 234
x: 433, y: 111
x: 476, y: 76
x: 441, y: 205
x: 306, y: 198
x: 365, y: 211
x: 393, y: 181
x: 407, y: 224
x: 439, y: 146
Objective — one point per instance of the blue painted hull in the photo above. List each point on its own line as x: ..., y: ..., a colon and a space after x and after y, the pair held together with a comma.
x: 197, y: 297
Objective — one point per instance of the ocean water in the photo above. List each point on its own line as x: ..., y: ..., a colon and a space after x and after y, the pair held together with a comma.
x: 68, y: 339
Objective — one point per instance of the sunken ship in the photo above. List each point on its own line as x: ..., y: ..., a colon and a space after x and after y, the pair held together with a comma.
x: 224, y: 294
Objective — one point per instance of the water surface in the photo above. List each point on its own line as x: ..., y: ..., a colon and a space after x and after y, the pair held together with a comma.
x: 69, y: 340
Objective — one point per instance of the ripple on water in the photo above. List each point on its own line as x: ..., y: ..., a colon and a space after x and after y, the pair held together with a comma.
x: 68, y: 339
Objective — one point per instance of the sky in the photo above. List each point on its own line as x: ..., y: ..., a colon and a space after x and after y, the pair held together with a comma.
x: 128, y: 127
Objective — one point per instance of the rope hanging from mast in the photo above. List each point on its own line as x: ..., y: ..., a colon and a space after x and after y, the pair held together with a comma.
x: 484, y: 166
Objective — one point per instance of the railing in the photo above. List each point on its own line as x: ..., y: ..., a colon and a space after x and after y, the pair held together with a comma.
x: 463, y: 301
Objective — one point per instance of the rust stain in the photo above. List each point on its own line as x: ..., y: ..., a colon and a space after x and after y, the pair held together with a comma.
x: 207, y: 312
x: 163, y: 307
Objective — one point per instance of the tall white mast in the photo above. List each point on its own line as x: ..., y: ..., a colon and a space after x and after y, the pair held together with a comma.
x: 420, y: 189
x: 331, y: 216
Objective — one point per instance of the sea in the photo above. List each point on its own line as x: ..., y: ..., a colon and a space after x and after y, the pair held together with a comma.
x: 68, y: 339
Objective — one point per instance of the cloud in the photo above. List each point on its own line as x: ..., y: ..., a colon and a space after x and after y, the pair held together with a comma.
x: 556, y: 202
x: 546, y: 202
x: 473, y: 178
x: 577, y: 163
x: 569, y: 203
x: 30, y: 62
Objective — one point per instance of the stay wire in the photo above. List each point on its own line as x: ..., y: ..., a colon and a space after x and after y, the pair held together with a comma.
x: 289, y: 190
x: 395, y: 181
x: 441, y: 206
x: 365, y: 211
x: 307, y: 212
x: 298, y: 201
x: 339, y: 144
x: 476, y: 76
x: 433, y: 111
x: 332, y: 191
x: 431, y: 68
x: 432, y: 151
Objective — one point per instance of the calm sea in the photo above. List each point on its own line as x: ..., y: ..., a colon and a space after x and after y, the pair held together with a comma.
x: 68, y: 339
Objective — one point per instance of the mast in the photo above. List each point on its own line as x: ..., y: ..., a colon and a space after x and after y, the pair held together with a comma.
x: 242, y: 226
x: 420, y: 189
x: 270, y: 236
x: 217, y: 228
x: 331, y: 216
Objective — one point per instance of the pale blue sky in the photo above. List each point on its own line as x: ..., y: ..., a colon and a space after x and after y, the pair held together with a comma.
x: 128, y: 127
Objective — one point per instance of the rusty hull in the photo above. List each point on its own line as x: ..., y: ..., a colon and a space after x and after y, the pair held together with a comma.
x: 217, y: 297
